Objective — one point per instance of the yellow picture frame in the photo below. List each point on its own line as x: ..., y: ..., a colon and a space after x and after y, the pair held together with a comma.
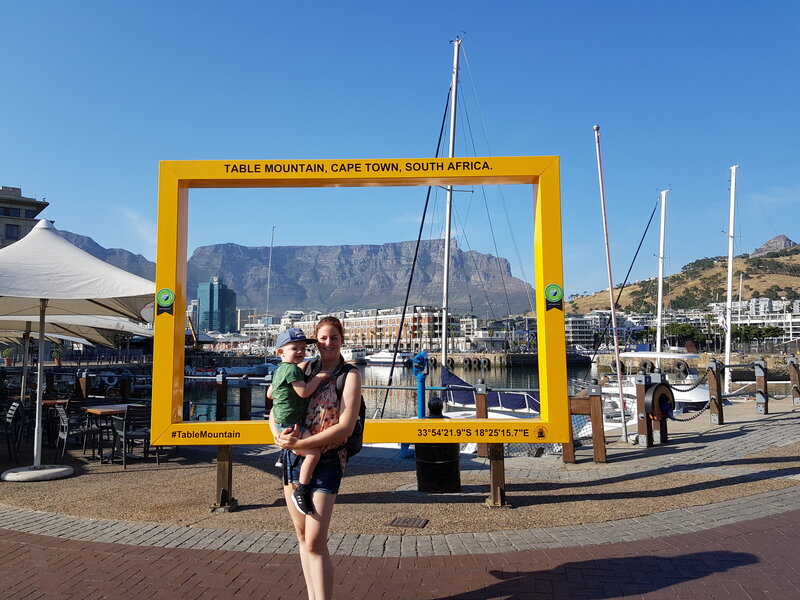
x: 176, y: 178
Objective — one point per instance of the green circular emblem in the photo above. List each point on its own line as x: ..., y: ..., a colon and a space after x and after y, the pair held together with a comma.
x: 165, y: 297
x: 553, y: 292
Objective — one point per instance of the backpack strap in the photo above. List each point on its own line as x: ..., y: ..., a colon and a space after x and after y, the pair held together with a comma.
x: 341, y: 377
x: 340, y: 372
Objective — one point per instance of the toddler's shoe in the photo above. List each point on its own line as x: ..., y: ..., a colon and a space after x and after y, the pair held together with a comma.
x: 302, y: 502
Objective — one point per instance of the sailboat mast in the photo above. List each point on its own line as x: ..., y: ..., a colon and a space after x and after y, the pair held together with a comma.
x: 620, y: 375
x: 729, y: 297
x: 448, y: 214
x: 269, y: 276
x: 660, y: 309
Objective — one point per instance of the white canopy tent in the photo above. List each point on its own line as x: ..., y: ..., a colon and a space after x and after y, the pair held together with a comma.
x: 43, y: 274
x: 92, y: 328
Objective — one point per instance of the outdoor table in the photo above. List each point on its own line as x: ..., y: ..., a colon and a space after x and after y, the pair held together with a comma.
x: 107, y: 410
x: 55, y: 402
x: 29, y: 409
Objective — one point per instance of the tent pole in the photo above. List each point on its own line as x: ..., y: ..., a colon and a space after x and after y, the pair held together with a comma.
x: 26, y: 357
x: 37, y: 436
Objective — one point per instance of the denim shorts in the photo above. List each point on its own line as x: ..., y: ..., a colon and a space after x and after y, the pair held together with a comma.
x: 326, y: 478
x: 279, y: 427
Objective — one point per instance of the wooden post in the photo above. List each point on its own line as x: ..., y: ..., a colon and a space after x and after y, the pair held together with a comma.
x: 245, y: 399
x: 591, y: 405
x: 568, y: 448
x: 794, y: 377
x: 596, y: 417
x: 715, y: 393
x: 497, y: 474
x: 495, y: 453
x: 762, y: 397
x: 222, y: 398
x: 225, y: 502
x: 481, y: 412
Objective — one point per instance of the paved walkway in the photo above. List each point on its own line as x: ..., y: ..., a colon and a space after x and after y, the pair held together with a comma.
x: 742, y: 548
x: 751, y: 559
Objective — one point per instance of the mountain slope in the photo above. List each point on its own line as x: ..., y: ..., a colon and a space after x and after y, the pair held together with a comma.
x: 774, y: 274
x: 331, y: 278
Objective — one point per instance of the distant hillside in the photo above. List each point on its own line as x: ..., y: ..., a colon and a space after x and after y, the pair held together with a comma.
x: 330, y: 278
x: 774, y: 274
x: 133, y: 263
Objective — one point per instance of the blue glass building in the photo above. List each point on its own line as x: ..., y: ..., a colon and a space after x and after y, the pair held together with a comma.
x: 217, y: 306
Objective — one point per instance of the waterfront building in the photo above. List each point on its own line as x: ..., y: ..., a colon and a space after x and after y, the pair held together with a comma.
x: 468, y: 325
x: 764, y: 312
x: 579, y: 331
x: 642, y: 320
x: 193, y: 312
x: 18, y: 214
x: 216, y: 306
x: 290, y: 319
x: 484, y: 340
x: 254, y: 331
x: 377, y: 329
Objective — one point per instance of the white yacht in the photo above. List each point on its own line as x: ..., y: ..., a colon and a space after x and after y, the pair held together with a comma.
x: 355, y: 355
x: 387, y: 357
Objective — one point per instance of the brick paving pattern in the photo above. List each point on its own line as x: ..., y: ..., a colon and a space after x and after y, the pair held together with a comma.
x: 743, y: 548
x: 754, y: 559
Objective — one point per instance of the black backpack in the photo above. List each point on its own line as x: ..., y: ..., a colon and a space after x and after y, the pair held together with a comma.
x: 355, y: 442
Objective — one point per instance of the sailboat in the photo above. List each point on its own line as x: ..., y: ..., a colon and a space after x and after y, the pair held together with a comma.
x: 692, y: 393
x: 459, y: 396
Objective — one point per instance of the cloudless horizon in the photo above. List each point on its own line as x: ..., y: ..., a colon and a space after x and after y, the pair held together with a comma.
x: 97, y: 93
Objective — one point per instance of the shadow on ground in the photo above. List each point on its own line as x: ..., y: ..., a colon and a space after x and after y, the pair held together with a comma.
x: 608, y: 577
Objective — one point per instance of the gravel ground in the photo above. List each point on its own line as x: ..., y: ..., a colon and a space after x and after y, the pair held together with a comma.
x: 181, y: 491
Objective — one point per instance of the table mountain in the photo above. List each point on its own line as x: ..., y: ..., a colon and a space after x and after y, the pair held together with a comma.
x: 330, y: 278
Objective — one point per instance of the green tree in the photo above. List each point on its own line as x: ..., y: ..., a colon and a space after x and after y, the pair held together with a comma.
x: 681, y: 333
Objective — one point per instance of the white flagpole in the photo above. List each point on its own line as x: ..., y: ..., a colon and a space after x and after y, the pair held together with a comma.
x: 729, y: 300
x: 660, y: 310
x: 610, y: 283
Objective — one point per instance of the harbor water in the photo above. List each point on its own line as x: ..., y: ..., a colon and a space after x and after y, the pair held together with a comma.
x: 399, y: 402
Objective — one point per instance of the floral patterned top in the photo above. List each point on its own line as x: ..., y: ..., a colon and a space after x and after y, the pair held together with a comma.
x: 322, y: 412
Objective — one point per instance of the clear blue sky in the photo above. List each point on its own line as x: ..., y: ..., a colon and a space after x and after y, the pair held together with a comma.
x: 96, y: 93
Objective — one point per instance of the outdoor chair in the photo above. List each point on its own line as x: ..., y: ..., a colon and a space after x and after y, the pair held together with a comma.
x: 11, y: 428
x: 73, y: 427
x: 91, y: 426
x: 132, y: 427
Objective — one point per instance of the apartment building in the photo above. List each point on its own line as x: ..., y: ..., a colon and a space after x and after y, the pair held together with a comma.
x: 18, y: 214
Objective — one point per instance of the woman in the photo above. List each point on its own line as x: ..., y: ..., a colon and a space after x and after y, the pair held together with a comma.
x: 330, y: 420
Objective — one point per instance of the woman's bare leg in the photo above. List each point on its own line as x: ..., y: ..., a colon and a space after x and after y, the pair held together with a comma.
x: 299, y: 522
x: 318, y: 559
